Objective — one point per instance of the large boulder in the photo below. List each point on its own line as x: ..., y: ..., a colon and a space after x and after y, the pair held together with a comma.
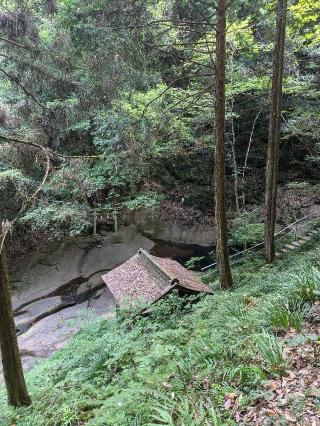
x: 93, y: 284
x: 52, y: 332
x: 36, y: 277
x: 36, y: 311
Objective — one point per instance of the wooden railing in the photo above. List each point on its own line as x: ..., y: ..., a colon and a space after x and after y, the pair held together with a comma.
x: 292, y: 227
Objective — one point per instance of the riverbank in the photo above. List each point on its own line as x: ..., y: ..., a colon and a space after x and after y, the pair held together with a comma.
x: 221, y: 359
x: 56, y: 289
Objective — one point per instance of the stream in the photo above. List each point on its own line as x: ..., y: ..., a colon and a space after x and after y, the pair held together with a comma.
x: 56, y: 291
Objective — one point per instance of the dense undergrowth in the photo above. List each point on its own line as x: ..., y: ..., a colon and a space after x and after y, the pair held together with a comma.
x: 175, y: 367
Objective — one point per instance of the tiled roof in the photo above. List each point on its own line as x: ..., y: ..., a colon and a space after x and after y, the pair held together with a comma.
x: 150, y: 278
x: 186, y: 278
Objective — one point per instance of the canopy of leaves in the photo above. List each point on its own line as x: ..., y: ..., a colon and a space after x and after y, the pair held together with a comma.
x: 133, y: 83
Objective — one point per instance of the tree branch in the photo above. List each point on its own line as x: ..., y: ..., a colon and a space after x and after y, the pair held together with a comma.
x: 39, y: 69
x: 29, y: 200
x: 16, y: 81
x: 21, y: 46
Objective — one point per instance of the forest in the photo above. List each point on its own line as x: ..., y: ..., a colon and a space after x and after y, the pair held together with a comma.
x: 186, y: 130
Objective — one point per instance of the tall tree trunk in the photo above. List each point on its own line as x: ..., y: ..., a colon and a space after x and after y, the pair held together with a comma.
x: 243, y: 184
x: 219, y: 162
x: 274, y: 132
x: 11, y: 361
x: 234, y: 161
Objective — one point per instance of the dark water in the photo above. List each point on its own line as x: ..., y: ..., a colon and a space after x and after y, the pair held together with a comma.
x: 183, y: 252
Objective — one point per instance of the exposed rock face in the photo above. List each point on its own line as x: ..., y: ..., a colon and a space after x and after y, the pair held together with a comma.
x: 71, y: 264
x: 91, y: 286
x: 155, y: 225
x: 52, y: 332
x: 37, y: 310
x: 36, y: 277
x: 114, y: 250
x: 46, y: 285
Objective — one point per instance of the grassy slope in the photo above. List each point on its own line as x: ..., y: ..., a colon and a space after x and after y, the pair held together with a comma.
x: 175, y: 368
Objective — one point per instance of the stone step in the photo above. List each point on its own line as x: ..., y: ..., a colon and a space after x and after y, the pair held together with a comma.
x: 299, y: 242
x: 290, y: 247
x: 296, y: 243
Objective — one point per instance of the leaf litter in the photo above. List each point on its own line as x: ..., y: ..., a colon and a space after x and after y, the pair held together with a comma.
x: 294, y: 398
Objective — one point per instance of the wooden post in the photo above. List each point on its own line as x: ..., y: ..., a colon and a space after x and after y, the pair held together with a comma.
x: 95, y: 223
x: 115, y: 219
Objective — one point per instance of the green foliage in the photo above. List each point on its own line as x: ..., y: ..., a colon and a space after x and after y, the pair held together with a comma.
x: 305, y: 15
x: 73, y: 181
x: 247, y: 375
x: 58, y: 219
x: 15, y: 188
x: 17, y: 179
x: 167, y: 411
x: 174, y: 366
x: 137, y: 89
x: 131, y: 309
x: 306, y: 284
x: 284, y: 315
x: 146, y: 199
x: 251, y: 233
x: 246, y: 230
x: 194, y: 262
x: 271, y: 352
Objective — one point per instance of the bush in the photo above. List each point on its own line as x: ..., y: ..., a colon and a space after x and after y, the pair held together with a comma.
x: 58, y: 219
x: 251, y: 233
x: 146, y: 199
x: 306, y: 284
x: 271, y: 352
x: 284, y: 315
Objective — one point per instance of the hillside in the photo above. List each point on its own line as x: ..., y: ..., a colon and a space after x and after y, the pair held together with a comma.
x: 139, y: 139
x: 124, y: 105
x: 245, y: 357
